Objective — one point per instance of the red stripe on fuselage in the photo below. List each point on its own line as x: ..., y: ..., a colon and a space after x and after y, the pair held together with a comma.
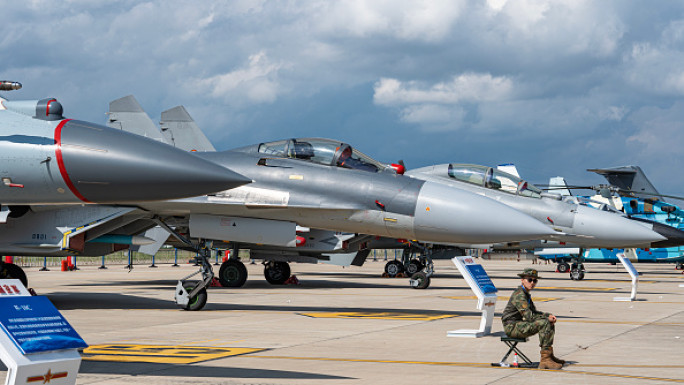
x: 60, y: 161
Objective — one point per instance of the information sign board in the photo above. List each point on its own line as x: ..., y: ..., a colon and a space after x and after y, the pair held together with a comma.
x: 481, y: 278
x: 35, y: 325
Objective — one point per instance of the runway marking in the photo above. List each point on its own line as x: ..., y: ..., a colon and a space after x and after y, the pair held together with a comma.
x: 502, y: 298
x: 160, y: 353
x: 576, y: 288
x: 381, y: 315
x: 566, y: 370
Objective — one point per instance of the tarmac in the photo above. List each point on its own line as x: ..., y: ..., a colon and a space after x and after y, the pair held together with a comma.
x: 351, y: 326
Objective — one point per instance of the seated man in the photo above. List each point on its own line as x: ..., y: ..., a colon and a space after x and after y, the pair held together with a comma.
x: 521, y: 319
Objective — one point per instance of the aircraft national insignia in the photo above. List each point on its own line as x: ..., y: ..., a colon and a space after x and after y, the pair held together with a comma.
x: 47, y: 377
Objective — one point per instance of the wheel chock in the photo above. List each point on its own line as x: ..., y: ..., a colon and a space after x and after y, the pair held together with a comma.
x: 215, y: 283
x: 292, y: 281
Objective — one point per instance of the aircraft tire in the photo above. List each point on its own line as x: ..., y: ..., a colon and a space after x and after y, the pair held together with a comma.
x: 276, y: 272
x: 563, y: 267
x: 414, y: 266
x: 232, y: 273
x: 423, y: 280
x: 198, y: 301
x: 576, y: 275
x: 12, y: 271
x: 393, y: 268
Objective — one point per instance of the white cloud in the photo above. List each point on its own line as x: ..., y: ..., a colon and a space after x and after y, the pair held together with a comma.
x: 257, y: 81
x: 467, y: 87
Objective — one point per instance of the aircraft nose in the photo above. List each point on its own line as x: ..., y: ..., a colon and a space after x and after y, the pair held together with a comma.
x: 104, y: 165
x: 451, y: 215
x: 674, y: 236
x: 613, y: 230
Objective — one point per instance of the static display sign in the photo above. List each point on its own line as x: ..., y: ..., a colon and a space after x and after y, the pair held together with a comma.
x: 481, y: 278
x: 35, y: 325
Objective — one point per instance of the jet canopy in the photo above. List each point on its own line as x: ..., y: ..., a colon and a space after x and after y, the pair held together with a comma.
x: 494, y: 179
x: 327, y: 152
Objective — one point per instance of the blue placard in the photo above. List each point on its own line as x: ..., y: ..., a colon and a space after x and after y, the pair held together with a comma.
x: 35, y: 325
x: 481, y: 278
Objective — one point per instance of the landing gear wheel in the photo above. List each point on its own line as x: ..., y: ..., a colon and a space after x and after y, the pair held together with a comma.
x: 563, y: 267
x: 413, y: 267
x: 277, y: 273
x: 393, y: 268
x: 198, y: 301
x: 679, y: 266
x: 232, y: 273
x: 12, y: 271
x: 420, y: 280
x: 576, y: 274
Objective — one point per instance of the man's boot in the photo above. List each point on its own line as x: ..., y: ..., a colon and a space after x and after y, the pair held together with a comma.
x: 546, y: 362
x: 556, y: 359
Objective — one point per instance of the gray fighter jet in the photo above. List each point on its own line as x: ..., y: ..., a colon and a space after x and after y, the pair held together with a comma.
x: 573, y: 221
x: 47, y: 158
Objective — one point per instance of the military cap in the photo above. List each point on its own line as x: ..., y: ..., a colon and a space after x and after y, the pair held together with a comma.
x: 529, y: 272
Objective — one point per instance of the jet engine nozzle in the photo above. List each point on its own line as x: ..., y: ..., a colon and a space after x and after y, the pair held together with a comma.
x: 452, y: 215
x: 103, y: 165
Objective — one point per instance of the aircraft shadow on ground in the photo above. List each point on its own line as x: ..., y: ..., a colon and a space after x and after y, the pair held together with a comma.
x: 114, y: 301
x: 190, y: 370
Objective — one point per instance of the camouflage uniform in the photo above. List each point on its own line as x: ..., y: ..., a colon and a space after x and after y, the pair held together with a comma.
x: 521, y: 319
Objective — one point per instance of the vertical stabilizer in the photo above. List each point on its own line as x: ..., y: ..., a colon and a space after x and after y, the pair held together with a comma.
x: 126, y: 114
x: 556, y: 186
x: 180, y: 130
x: 631, y: 180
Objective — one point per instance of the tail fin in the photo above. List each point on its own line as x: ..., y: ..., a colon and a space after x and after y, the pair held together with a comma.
x: 508, y: 168
x: 126, y: 114
x: 557, y: 184
x: 630, y: 179
x: 181, y: 131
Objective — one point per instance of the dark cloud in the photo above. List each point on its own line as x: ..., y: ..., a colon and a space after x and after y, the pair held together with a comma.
x: 553, y: 86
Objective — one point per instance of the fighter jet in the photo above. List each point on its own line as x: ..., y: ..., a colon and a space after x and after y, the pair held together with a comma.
x: 573, y: 221
x: 47, y: 159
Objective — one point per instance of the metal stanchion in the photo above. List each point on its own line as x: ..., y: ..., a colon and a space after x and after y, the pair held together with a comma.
x: 102, y: 267
x: 153, y: 265
x: 130, y: 260
x: 44, y: 268
x: 175, y: 258
x: 217, y: 258
x: 75, y: 267
x: 385, y: 254
x: 375, y: 257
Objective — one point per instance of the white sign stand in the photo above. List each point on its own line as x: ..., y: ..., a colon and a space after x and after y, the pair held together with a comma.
x: 635, y: 278
x: 57, y: 367
x: 486, y: 302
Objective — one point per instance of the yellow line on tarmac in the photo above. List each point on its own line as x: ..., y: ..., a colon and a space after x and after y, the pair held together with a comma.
x: 487, y: 365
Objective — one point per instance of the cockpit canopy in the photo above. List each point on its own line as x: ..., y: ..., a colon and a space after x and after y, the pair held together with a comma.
x: 494, y: 179
x: 322, y: 151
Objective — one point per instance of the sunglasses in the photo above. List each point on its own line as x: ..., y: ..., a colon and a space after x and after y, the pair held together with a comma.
x: 531, y: 280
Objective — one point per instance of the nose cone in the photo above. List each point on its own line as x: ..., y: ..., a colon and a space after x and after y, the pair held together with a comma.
x: 104, y: 165
x: 606, y: 229
x: 674, y: 236
x: 451, y: 215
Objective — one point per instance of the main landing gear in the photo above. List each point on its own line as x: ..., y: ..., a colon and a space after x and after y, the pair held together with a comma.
x: 233, y: 273
x: 419, y: 268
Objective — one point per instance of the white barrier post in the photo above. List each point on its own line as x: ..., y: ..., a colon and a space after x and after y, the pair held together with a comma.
x: 484, y: 289
x: 633, y: 273
x: 37, y: 344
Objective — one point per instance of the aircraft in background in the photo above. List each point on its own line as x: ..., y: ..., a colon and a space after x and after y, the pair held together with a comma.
x: 53, y: 167
x: 631, y: 192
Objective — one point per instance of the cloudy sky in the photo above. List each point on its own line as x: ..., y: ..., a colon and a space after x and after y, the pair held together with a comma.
x: 555, y: 86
